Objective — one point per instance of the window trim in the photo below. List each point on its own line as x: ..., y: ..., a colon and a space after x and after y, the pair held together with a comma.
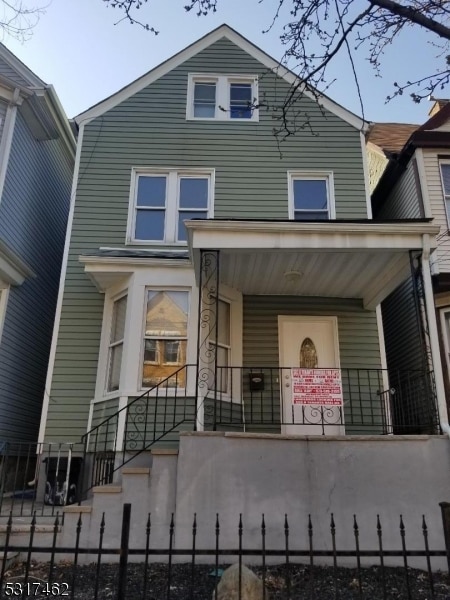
x: 312, y: 175
x: 445, y: 197
x: 172, y: 207
x: 113, y: 300
x: 222, y: 82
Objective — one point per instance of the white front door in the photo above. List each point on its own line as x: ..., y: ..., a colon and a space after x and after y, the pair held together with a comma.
x: 308, y: 342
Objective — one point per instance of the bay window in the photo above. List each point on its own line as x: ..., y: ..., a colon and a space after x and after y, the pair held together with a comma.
x: 115, y: 347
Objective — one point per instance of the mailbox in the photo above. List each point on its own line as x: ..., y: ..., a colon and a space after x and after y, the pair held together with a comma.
x: 256, y: 382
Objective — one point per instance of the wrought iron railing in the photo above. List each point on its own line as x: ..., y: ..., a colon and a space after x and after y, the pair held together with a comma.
x: 153, y: 417
x: 373, y: 401
x: 31, y: 486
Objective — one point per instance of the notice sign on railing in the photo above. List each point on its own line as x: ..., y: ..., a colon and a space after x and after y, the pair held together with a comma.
x: 321, y: 387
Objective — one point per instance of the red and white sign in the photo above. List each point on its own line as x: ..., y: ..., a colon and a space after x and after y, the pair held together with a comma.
x: 321, y: 387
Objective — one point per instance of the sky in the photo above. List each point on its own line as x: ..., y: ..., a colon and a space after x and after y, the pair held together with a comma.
x: 79, y: 47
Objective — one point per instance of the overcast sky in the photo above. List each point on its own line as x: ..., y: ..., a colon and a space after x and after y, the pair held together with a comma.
x: 77, y: 47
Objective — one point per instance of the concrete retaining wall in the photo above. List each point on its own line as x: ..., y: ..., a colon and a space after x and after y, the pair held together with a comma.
x: 233, y: 473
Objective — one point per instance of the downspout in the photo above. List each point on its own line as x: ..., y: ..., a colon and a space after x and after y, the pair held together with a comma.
x: 434, y: 339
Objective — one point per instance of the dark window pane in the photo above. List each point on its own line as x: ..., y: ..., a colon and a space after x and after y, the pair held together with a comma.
x: 118, y: 320
x: 310, y: 194
x: 240, y: 101
x: 205, y: 100
x: 205, y: 92
x: 151, y: 191
x: 150, y: 224
x: 115, y: 362
x: 151, y: 351
x: 445, y: 169
x: 172, y: 352
x: 185, y: 215
x: 193, y: 193
x: 308, y: 215
x: 240, y: 93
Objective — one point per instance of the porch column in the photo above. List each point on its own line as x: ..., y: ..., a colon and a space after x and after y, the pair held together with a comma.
x: 433, y: 333
x: 208, y: 317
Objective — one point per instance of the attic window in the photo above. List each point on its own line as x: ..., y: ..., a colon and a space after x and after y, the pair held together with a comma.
x: 222, y: 98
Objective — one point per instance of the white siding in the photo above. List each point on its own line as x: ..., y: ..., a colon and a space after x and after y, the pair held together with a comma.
x: 434, y: 186
x: 444, y: 127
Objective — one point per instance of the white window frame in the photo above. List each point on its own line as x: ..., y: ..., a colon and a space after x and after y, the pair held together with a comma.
x: 114, y: 299
x: 172, y: 207
x: 165, y: 288
x: 445, y: 196
x: 326, y: 176
x: 223, y: 83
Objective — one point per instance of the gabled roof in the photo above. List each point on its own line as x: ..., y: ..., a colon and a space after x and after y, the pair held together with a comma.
x: 27, y: 74
x: 390, y: 137
x: 198, y: 46
x: 39, y: 103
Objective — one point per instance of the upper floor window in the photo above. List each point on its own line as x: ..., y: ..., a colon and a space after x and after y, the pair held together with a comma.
x: 222, y: 97
x: 445, y: 177
x: 311, y: 196
x: 162, y: 200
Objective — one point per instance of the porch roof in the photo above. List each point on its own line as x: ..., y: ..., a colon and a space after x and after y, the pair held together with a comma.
x: 344, y: 259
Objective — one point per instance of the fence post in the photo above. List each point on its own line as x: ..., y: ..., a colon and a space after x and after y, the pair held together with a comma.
x: 124, y: 545
x: 445, y: 510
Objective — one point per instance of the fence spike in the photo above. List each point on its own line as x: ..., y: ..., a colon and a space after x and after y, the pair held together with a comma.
x: 217, y: 523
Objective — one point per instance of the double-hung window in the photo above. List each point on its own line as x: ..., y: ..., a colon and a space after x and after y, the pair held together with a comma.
x: 222, y: 97
x: 165, y: 337
x: 311, y: 196
x: 162, y: 200
x: 445, y: 178
x: 115, y: 347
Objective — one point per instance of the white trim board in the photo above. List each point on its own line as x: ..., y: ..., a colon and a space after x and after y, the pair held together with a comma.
x: 200, y: 45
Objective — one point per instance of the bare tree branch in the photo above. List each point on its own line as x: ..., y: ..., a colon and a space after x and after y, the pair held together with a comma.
x: 315, y: 32
x: 18, y: 18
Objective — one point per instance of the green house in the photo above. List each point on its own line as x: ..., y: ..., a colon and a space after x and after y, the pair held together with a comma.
x: 217, y: 279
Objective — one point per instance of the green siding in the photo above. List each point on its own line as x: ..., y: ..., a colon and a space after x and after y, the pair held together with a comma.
x: 358, y: 348
x: 150, y: 129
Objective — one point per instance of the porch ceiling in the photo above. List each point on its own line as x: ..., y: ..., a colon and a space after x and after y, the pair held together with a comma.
x: 342, y: 260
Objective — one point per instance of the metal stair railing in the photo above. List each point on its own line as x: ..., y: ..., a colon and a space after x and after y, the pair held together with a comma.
x: 147, y: 419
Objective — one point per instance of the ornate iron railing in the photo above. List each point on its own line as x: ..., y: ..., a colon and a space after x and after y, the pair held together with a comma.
x: 373, y: 401
x: 153, y: 417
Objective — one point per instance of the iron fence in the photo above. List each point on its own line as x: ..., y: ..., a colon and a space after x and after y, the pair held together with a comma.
x: 37, y: 479
x: 291, y: 570
x: 374, y: 401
